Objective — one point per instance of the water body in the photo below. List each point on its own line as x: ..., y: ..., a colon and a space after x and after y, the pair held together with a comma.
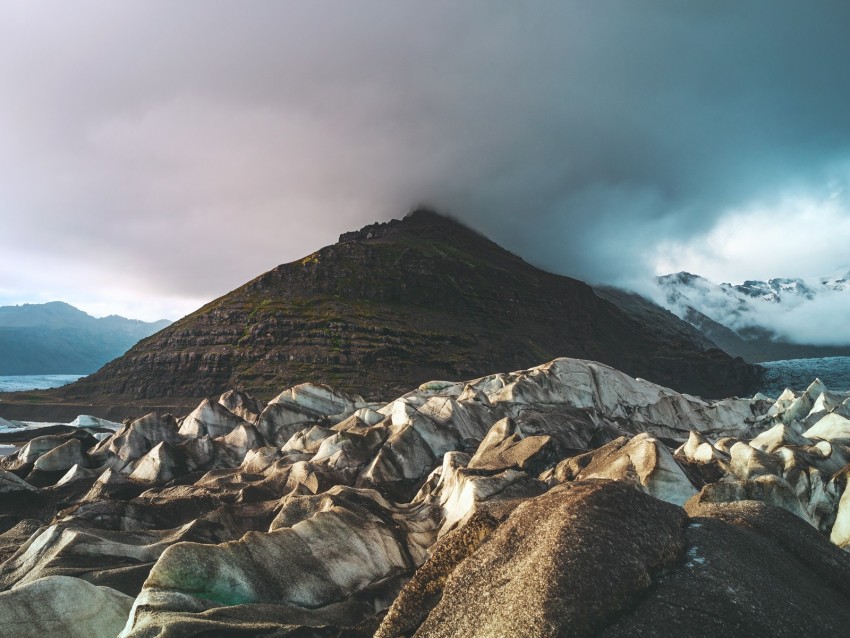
x: 23, y: 382
x: 797, y: 374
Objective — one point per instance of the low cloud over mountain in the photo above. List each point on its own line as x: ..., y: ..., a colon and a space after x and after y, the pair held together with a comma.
x: 796, y: 311
x: 156, y: 154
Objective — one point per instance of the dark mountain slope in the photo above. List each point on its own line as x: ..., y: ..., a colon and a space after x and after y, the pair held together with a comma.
x: 397, y: 304
x: 756, y: 344
x: 655, y: 317
x: 56, y: 338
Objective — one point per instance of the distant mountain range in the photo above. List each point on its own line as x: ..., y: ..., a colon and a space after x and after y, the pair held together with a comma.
x: 397, y: 304
x: 57, y: 338
x: 759, y: 320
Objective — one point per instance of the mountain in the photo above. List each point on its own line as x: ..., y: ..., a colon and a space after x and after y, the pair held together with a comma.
x: 56, y: 338
x: 741, y: 318
x: 397, y: 304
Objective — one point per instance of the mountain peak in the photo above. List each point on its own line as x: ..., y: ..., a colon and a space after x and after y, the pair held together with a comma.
x: 36, y: 314
x: 428, y: 215
x: 681, y: 277
x: 419, y: 221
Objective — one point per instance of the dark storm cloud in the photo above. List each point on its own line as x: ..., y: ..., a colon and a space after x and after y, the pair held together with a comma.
x: 169, y: 151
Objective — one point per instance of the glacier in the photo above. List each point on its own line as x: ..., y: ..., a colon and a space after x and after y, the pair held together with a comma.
x: 438, y: 513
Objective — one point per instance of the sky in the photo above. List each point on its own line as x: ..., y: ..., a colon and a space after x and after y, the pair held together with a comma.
x: 155, y: 155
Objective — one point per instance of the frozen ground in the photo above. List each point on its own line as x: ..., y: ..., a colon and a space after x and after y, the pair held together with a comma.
x: 798, y: 373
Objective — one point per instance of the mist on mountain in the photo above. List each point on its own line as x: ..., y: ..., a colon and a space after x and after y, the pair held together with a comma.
x: 792, y: 310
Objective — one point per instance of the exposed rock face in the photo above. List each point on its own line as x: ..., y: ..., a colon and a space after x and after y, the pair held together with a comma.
x: 396, y: 304
x: 567, y: 499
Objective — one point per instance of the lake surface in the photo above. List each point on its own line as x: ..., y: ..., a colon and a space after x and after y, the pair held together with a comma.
x: 797, y: 374
x: 23, y: 382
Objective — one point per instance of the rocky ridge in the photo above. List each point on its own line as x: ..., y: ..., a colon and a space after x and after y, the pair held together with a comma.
x: 393, y: 305
x: 566, y: 499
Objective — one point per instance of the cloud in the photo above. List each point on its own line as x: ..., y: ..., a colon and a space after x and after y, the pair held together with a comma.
x: 821, y: 322
x: 153, y: 154
x: 787, y: 236
x: 812, y: 311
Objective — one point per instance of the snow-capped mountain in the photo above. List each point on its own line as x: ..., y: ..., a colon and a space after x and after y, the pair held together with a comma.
x: 773, y: 290
x: 684, y: 285
x: 763, y: 320
x: 836, y: 283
